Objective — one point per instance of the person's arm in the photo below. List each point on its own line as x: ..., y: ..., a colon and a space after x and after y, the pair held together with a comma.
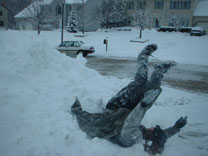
x: 159, y: 136
x: 180, y: 123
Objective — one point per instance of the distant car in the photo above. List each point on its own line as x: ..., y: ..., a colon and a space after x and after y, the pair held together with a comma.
x: 75, y: 47
x: 197, y: 31
x: 166, y: 28
x: 185, y: 29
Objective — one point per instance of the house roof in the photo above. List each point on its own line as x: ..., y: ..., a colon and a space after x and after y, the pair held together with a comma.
x: 4, y: 6
x: 74, y: 1
x: 201, y: 8
x: 32, y: 9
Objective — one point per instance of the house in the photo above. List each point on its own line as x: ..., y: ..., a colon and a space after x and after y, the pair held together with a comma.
x: 166, y: 12
x: 52, y: 10
x: 200, y: 15
x: 5, y: 17
x: 49, y: 10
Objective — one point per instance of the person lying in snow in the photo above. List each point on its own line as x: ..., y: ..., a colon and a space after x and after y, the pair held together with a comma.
x: 121, y: 120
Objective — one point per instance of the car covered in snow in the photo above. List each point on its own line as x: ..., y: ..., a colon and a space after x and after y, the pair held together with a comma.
x: 197, y: 31
x: 75, y: 47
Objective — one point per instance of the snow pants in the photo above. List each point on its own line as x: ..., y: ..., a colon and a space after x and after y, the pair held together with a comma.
x: 133, y: 93
x: 138, y: 96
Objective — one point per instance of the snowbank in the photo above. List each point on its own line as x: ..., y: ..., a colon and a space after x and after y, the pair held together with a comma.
x: 39, y: 85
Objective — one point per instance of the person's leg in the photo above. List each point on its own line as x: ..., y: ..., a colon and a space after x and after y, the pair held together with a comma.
x: 102, y: 125
x: 142, y: 63
x: 158, y: 72
x: 130, y: 133
x: 133, y: 93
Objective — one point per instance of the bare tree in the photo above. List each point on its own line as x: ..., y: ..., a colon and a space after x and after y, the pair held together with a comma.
x: 141, y: 18
x: 37, y: 13
x: 112, y: 14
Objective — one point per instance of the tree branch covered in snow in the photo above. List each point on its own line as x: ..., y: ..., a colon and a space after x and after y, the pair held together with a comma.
x: 141, y: 18
x: 38, y: 14
x: 112, y: 14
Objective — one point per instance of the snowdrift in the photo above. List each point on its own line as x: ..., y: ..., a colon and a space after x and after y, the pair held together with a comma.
x: 39, y: 85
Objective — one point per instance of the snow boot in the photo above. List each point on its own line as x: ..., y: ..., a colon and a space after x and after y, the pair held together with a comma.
x: 149, y: 49
x: 164, y: 66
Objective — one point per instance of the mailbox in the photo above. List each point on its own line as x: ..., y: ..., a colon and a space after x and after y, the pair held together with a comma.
x: 105, y: 41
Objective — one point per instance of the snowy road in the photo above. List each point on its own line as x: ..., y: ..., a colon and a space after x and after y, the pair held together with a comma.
x: 185, y: 77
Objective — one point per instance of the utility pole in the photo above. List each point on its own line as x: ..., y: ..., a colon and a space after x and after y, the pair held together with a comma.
x: 83, y: 14
x: 62, y: 27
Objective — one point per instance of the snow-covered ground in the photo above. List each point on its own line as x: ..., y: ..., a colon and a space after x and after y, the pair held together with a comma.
x: 180, y: 47
x: 38, y: 85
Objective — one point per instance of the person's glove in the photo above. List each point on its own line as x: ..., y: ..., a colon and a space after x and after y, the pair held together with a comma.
x: 180, y: 123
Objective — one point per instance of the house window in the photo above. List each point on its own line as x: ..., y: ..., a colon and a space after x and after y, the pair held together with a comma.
x: 187, y: 5
x: 141, y: 5
x: 159, y: 5
x: 1, y: 23
x: 180, y: 5
x: 1, y: 13
x: 129, y: 5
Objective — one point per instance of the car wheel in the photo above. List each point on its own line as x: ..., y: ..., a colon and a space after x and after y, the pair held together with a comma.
x: 67, y: 54
x: 84, y: 54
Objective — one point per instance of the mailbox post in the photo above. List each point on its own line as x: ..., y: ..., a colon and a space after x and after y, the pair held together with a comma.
x: 106, y: 43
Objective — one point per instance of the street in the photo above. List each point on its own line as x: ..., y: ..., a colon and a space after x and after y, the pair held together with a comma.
x: 192, y: 78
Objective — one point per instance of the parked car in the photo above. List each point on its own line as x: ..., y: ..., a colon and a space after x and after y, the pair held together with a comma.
x: 166, y: 28
x: 185, y: 29
x: 75, y: 47
x: 197, y: 31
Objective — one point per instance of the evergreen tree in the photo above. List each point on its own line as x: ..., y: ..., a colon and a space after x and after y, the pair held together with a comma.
x: 73, y: 22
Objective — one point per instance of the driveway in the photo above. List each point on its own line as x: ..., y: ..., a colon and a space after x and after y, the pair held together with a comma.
x: 185, y: 77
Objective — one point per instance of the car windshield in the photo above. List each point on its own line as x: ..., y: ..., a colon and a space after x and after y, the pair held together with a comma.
x: 71, y: 44
x: 64, y: 44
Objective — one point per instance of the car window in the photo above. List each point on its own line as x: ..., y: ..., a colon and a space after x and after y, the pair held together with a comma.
x: 72, y: 44
x: 63, y: 44
x: 76, y: 44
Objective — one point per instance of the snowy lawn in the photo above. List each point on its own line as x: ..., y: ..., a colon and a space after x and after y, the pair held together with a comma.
x: 180, y: 47
x: 38, y: 85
